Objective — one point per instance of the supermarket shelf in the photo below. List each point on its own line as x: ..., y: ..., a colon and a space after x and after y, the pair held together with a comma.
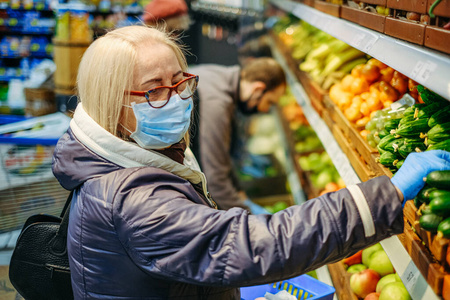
x: 424, y: 65
x: 412, y: 278
x: 338, y: 157
x: 291, y: 174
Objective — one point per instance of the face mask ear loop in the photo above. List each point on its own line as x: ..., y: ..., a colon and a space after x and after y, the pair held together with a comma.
x: 131, y: 108
x: 126, y: 129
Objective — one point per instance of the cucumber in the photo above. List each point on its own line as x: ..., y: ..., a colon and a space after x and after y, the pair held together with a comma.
x: 394, y: 145
x: 381, y: 151
x: 391, y: 124
x: 444, y: 145
x: 440, y: 206
x: 413, y: 129
x: 440, y: 132
x: 388, y: 159
x: 424, y: 195
x: 417, y: 202
x: 399, y: 164
x: 425, y: 209
x: 430, y: 222
x: 423, y: 110
x: 428, y: 96
x: 383, y: 133
x: 412, y: 109
x: 444, y: 228
x: 406, y: 119
x: 384, y: 141
x: 439, y: 179
x: 442, y: 116
x: 406, y: 149
x: 434, y: 192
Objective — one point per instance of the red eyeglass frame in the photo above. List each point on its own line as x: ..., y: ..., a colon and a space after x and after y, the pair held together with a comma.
x: 171, y: 88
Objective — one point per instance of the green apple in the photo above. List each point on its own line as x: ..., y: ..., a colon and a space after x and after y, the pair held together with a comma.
x: 366, y: 253
x: 387, y: 279
x: 356, y: 268
x: 380, y: 262
x: 394, y: 290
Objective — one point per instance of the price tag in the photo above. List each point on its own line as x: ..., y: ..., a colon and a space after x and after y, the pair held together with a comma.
x: 422, y: 70
x: 410, y: 276
x: 357, y: 39
x: 369, y: 44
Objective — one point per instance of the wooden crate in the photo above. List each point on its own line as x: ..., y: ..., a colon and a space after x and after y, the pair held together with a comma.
x: 316, y: 95
x: 376, y: 2
x: 442, y: 9
x: 328, y: 8
x: 437, y: 38
x: 419, y: 6
x: 424, y: 260
x: 405, y: 30
x: 438, y: 247
x: 341, y: 281
x: 359, y: 165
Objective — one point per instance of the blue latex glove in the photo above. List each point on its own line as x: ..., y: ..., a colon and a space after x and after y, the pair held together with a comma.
x: 255, y: 209
x: 409, y: 178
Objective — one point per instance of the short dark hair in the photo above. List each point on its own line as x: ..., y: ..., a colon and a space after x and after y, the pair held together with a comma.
x: 264, y: 69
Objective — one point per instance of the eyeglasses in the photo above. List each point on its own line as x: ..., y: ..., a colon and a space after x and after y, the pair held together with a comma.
x: 160, y: 95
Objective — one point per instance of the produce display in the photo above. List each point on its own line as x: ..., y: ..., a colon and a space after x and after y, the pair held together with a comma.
x: 321, y: 172
x: 434, y: 203
x: 326, y: 59
x: 369, y: 88
x: 373, y: 277
x: 304, y: 137
x: 376, y: 109
x: 424, y: 126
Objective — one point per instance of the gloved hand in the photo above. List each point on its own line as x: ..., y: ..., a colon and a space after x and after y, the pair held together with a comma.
x: 255, y: 209
x: 409, y: 178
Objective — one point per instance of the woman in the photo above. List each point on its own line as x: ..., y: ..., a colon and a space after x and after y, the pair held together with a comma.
x: 142, y: 225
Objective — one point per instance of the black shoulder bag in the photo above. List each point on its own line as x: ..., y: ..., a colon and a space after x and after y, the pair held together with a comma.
x: 39, y: 267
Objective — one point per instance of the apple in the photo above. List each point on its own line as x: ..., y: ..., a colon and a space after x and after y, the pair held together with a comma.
x: 366, y: 253
x: 394, y: 290
x: 356, y: 268
x: 380, y: 262
x: 387, y: 279
x: 372, y: 296
x: 364, y: 282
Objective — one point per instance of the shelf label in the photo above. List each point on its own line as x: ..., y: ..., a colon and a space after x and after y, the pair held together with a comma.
x: 422, y: 70
x: 363, y: 41
x: 410, y: 276
x: 357, y: 39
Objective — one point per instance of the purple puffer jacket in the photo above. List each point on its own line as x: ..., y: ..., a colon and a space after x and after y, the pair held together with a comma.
x: 140, y: 229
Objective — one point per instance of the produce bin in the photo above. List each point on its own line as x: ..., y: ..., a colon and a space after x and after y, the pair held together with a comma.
x: 27, y: 184
x: 302, y: 287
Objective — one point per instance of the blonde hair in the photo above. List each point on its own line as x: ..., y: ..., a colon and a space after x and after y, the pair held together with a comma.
x: 107, y: 69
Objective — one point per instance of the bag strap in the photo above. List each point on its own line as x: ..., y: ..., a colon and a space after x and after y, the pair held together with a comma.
x: 195, y: 129
x: 59, y: 243
x: 69, y: 199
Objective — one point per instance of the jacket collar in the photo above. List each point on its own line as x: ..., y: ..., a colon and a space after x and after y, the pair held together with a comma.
x: 127, y: 154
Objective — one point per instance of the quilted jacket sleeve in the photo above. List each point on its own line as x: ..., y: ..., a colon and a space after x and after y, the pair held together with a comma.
x: 173, y: 238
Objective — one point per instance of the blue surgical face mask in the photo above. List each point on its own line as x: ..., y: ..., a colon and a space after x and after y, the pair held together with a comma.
x: 158, y: 128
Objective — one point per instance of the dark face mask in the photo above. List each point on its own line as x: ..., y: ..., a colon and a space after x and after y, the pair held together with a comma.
x: 245, y: 110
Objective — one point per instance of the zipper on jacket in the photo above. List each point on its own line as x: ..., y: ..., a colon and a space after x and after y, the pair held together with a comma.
x: 205, y: 191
